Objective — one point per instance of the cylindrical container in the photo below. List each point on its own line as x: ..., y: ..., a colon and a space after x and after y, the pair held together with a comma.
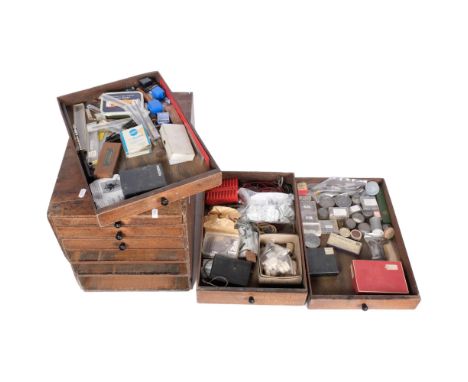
x: 354, y: 209
x: 389, y: 233
x: 372, y: 188
x: 323, y: 213
x: 368, y: 213
x: 358, y: 217
x: 364, y: 228
x: 311, y: 240
x: 356, y: 235
x: 350, y: 223
x: 343, y: 200
x: 375, y: 223
x: 326, y: 201
x: 345, y: 232
x: 356, y: 199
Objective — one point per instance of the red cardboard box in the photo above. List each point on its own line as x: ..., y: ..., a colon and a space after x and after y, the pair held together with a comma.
x: 375, y: 276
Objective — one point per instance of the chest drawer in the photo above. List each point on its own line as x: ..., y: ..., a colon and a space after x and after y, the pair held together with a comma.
x: 337, y: 292
x: 124, y: 232
x: 158, y: 254
x: 135, y: 267
x: 133, y: 282
x: 127, y: 244
x: 255, y: 292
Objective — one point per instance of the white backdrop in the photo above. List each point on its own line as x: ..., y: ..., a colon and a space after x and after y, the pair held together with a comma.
x: 338, y: 88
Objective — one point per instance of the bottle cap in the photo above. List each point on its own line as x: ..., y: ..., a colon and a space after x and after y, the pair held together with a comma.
x: 372, y: 188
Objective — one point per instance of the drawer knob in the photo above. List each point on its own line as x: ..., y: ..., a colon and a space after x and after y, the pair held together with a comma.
x: 251, y: 300
x: 118, y: 224
x: 364, y: 307
x: 122, y: 246
x: 119, y: 235
x: 164, y: 201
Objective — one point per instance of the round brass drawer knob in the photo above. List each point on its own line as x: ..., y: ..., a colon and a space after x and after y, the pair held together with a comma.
x: 119, y: 235
x: 118, y: 224
x: 364, y: 307
x: 122, y: 246
x: 251, y: 300
x: 164, y: 201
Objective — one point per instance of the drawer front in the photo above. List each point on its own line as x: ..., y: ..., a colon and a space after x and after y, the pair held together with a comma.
x: 365, y: 302
x: 133, y: 282
x: 133, y: 221
x: 125, y: 232
x: 119, y: 267
x: 253, y: 297
x: 160, y: 254
x: 129, y: 243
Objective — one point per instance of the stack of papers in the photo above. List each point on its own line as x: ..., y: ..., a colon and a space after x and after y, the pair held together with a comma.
x: 135, y: 141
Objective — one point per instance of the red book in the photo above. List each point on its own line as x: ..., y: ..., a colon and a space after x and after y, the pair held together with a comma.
x: 375, y: 276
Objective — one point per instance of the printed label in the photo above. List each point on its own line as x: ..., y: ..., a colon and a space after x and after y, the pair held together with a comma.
x: 82, y: 193
x: 329, y: 251
x: 154, y: 213
x: 391, y: 267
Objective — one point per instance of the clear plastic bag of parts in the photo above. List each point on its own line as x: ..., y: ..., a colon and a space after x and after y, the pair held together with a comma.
x: 215, y: 243
x: 337, y: 191
x: 248, y: 238
x: 375, y: 243
x: 275, y: 260
x: 270, y: 207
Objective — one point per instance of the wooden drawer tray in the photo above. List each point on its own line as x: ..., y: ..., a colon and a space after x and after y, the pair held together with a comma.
x: 255, y: 293
x: 337, y: 291
x: 184, y: 179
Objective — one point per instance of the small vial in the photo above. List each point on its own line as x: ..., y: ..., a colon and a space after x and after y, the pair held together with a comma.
x: 364, y: 228
x: 358, y: 217
x: 375, y: 224
x: 350, y: 223
x: 343, y: 200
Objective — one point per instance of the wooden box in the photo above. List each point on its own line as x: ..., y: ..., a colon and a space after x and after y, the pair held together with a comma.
x: 147, y: 251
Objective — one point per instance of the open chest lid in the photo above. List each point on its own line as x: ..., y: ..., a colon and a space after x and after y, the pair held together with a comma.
x: 181, y: 180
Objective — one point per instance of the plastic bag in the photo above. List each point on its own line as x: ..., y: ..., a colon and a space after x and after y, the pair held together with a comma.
x: 220, y: 244
x: 275, y: 260
x: 248, y: 238
x: 375, y: 243
x: 333, y: 187
x: 270, y: 207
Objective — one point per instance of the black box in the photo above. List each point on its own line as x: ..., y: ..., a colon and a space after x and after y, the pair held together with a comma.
x: 142, y: 179
x: 321, y: 261
x: 232, y: 271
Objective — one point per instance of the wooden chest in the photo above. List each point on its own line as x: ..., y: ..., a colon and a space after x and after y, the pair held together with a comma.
x: 153, y: 241
x: 149, y: 251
